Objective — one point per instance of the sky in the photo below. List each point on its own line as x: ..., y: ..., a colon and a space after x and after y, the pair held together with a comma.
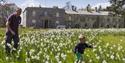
x: 60, y: 3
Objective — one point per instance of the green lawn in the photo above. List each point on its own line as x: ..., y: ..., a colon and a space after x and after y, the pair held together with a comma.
x: 55, y: 46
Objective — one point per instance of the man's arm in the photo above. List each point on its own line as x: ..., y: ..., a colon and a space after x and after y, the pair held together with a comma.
x: 8, y: 26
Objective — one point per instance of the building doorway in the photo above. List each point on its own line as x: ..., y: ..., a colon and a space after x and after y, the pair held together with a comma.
x: 46, y: 23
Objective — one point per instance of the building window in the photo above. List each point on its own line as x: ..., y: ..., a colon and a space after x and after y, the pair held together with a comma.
x: 93, y: 18
x: 119, y: 20
x: 70, y: 18
x: 90, y: 19
x: 33, y: 21
x: 45, y: 13
x: 34, y: 13
x: 108, y: 19
x: 57, y: 22
x: 83, y: 19
x: 57, y: 14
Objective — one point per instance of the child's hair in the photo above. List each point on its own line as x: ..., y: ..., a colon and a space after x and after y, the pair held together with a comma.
x: 81, y: 36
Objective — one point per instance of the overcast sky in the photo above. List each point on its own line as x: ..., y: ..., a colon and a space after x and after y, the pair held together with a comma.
x: 60, y: 3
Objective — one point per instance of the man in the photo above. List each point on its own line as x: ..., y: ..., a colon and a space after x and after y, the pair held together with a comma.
x: 12, y: 25
x: 80, y: 47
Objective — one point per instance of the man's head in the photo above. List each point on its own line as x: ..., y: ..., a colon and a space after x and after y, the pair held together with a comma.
x: 82, y: 38
x: 18, y: 11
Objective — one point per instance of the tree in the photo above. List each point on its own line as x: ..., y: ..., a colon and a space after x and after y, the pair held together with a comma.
x: 118, y: 7
x: 1, y: 11
x: 68, y: 6
x: 5, y: 10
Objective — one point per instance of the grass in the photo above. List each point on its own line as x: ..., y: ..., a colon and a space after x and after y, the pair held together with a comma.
x: 55, y: 46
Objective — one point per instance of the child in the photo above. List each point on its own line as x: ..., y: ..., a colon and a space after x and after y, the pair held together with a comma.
x: 80, y: 47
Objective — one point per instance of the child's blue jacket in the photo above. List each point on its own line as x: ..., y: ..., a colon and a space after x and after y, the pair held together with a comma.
x: 80, y: 47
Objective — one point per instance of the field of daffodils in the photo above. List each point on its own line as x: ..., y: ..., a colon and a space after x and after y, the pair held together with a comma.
x: 56, y: 46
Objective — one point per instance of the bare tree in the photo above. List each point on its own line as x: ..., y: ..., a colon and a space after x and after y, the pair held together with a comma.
x: 5, y: 10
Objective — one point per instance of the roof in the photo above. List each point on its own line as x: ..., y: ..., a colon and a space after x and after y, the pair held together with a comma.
x: 79, y: 12
x: 42, y: 8
x: 10, y: 4
x: 87, y: 13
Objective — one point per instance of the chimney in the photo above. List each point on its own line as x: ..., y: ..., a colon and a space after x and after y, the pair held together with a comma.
x: 40, y: 6
x: 55, y: 7
x: 100, y: 9
x: 96, y: 9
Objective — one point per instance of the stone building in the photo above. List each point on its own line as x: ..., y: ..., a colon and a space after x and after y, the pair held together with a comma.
x: 41, y: 17
x: 85, y: 19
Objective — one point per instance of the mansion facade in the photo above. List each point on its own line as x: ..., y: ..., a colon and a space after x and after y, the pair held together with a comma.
x: 42, y: 17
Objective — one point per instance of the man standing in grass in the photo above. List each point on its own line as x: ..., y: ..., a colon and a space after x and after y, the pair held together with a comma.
x: 80, y: 47
x: 12, y: 25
